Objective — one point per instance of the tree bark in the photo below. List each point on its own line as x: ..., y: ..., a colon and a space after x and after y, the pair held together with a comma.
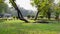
x: 36, y: 15
x: 49, y: 15
x: 57, y: 16
x: 20, y: 16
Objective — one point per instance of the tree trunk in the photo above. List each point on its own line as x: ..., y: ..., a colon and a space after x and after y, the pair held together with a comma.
x: 36, y: 15
x: 49, y: 15
x: 57, y: 16
x: 20, y: 16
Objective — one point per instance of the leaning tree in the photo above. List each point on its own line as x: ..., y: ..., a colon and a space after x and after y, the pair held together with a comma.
x: 20, y: 16
x: 43, y: 6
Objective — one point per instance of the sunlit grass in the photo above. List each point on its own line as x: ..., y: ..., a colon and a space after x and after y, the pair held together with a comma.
x: 13, y: 21
x: 20, y: 27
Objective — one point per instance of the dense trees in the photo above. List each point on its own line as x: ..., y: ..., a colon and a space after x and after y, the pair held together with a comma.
x: 3, y: 6
x: 57, y: 11
x: 43, y: 6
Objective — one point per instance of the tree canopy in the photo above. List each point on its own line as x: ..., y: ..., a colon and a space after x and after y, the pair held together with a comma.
x: 3, y: 6
x: 43, y: 6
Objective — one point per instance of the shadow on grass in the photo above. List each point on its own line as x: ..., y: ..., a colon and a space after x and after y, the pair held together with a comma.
x: 1, y: 20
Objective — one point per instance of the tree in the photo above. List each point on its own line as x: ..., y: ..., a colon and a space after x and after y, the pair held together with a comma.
x: 1, y: 1
x: 43, y: 6
x: 3, y: 6
x: 57, y: 11
x: 20, y: 16
x: 36, y: 3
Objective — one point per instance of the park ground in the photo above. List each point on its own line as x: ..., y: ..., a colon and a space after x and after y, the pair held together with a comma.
x: 20, y: 27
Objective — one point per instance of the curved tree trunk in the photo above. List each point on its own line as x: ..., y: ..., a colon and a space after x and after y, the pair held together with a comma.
x: 37, y: 12
x: 20, y: 16
x: 36, y: 15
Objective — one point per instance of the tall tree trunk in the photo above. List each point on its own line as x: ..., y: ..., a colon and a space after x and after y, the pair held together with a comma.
x: 57, y: 16
x: 36, y: 15
x: 49, y: 13
x: 20, y: 16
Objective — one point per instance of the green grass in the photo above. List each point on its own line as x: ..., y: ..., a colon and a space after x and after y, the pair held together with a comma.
x: 19, y: 27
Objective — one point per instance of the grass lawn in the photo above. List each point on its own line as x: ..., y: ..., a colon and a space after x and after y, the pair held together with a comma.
x: 19, y: 27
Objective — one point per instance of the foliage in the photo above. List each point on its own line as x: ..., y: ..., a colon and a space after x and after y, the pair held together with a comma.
x: 43, y: 6
x: 3, y: 7
x: 1, y: 1
x: 57, y: 10
x: 28, y: 16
